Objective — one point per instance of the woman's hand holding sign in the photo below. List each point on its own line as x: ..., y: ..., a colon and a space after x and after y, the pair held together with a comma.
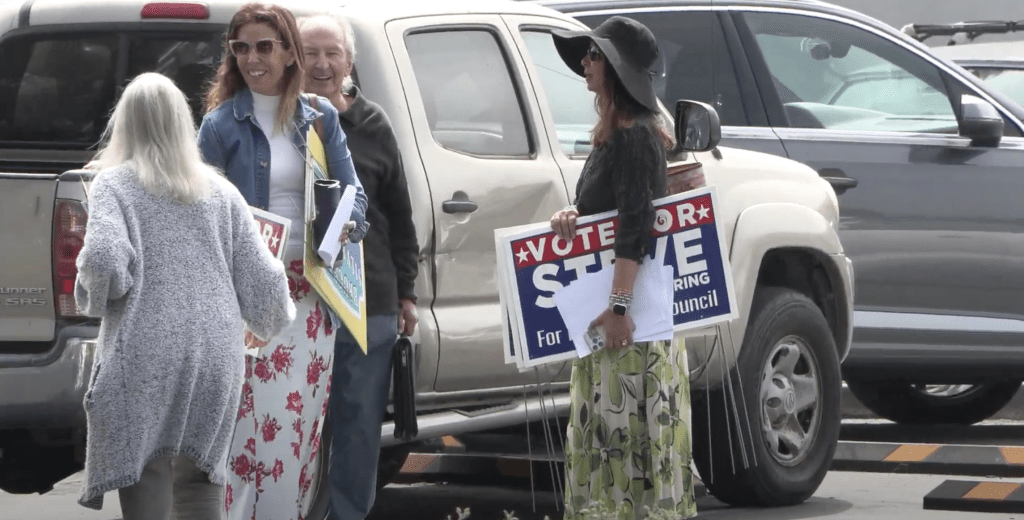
x: 563, y: 223
x: 617, y: 326
x: 349, y: 227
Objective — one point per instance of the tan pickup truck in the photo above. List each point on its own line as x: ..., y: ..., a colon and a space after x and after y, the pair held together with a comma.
x: 493, y: 130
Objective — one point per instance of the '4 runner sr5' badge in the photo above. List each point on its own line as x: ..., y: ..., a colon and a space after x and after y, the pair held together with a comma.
x: 22, y: 296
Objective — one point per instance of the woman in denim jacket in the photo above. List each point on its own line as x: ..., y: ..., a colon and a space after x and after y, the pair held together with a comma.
x: 255, y: 132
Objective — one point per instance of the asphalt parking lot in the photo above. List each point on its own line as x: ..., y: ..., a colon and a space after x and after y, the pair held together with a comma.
x: 881, y: 492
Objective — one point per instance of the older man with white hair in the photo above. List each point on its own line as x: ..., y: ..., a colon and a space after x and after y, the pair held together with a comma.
x: 360, y: 383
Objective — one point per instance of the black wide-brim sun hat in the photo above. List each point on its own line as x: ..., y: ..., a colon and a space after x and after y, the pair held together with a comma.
x: 627, y: 45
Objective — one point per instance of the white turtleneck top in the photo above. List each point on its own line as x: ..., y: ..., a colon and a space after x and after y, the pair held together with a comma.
x: 287, y: 169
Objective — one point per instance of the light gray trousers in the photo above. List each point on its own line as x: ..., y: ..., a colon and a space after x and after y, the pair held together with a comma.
x: 172, y: 488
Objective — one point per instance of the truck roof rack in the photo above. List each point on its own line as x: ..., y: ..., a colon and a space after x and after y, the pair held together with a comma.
x: 969, y: 30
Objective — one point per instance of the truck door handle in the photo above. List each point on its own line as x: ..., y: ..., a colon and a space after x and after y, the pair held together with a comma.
x: 843, y: 183
x: 458, y: 206
x: 838, y: 179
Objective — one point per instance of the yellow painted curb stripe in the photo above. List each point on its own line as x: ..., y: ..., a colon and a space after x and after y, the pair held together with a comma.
x: 911, y: 453
x: 991, y: 491
x: 451, y: 442
x: 1013, y: 455
x: 417, y: 462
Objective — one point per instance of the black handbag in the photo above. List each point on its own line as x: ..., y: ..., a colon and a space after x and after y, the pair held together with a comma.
x: 403, y: 377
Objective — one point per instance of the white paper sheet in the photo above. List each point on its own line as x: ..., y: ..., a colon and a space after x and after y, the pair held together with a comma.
x: 583, y: 300
x: 654, y: 301
x: 331, y: 246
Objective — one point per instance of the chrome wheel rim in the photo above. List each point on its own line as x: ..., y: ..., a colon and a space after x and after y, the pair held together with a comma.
x: 790, y: 400
x: 950, y: 391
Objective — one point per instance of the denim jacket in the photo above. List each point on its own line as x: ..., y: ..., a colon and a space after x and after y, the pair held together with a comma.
x: 229, y: 141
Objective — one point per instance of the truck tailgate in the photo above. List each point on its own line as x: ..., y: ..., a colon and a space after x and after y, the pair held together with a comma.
x: 26, y: 276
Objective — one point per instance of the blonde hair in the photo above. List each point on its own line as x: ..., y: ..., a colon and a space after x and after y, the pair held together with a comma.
x: 152, y: 132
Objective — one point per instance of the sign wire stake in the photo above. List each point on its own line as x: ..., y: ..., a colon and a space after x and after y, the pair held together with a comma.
x: 529, y: 446
x: 743, y: 393
x: 739, y: 424
x: 725, y: 405
x: 707, y: 396
x: 561, y: 444
x: 546, y: 428
x: 730, y: 390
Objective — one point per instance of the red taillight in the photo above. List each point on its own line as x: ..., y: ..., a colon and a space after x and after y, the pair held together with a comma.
x: 68, y: 236
x: 176, y: 10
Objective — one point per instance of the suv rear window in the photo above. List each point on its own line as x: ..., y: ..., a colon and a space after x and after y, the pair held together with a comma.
x: 58, y: 89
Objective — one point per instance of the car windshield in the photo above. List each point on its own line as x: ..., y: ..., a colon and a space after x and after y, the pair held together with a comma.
x: 1008, y: 81
x: 850, y: 81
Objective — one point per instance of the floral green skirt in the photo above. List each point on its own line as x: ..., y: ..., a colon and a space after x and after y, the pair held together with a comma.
x: 628, y: 447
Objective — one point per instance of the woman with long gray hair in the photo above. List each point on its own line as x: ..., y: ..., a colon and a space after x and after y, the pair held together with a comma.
x: 174, y: 265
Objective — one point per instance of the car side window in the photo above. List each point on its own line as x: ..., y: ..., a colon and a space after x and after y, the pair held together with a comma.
x: 836, y: 76
x: 571, y: 104
x: 471, y: 100
x: 693, y: 63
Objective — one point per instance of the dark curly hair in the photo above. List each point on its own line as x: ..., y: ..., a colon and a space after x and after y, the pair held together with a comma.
x: 616, y: 108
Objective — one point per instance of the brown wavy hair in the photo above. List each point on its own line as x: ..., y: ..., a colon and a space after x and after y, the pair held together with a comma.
x: 617, y: 109
x: 228, y: 80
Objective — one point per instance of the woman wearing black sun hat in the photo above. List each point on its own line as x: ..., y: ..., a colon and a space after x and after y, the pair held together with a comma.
x: 628, y: 442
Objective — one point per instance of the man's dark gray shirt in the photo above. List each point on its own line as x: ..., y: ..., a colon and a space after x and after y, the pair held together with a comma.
x: 390, y: 250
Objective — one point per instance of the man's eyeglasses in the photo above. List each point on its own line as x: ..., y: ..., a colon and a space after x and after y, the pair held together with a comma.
x: 242, y: 47
x: 594, y: 54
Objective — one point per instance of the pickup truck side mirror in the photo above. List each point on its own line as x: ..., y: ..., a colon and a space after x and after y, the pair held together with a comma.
x: 698, y: 128
x: 980, y: 121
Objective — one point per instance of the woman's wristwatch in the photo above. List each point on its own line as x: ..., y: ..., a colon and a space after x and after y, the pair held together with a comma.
x: 619, y: 302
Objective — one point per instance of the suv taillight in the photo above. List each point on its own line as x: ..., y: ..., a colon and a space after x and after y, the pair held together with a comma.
x: 68, y: 237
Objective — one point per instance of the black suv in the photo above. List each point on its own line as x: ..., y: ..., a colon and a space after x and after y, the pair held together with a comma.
x: 928, y: 164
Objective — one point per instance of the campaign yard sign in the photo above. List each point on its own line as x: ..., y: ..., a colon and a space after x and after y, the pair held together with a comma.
x: 533, y: 264
x: 273, y: 230
x: 342, y: 286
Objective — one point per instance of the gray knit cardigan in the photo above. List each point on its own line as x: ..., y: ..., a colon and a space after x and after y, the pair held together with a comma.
x: 173, y: 283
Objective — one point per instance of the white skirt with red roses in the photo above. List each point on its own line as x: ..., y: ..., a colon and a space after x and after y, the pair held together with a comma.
x: 272, y: 463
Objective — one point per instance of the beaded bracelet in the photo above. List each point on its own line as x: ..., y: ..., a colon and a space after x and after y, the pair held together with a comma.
x: 620, y: 297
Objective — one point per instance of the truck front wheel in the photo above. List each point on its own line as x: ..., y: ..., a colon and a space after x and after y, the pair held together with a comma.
x: 790, y: 419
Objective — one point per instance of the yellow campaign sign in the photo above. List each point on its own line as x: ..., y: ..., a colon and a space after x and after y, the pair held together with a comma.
x: 343, y: 286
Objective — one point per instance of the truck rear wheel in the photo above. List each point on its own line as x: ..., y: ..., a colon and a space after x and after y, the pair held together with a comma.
x: 791, y: 387
x: 30, y: 468
x: 909, y: 403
